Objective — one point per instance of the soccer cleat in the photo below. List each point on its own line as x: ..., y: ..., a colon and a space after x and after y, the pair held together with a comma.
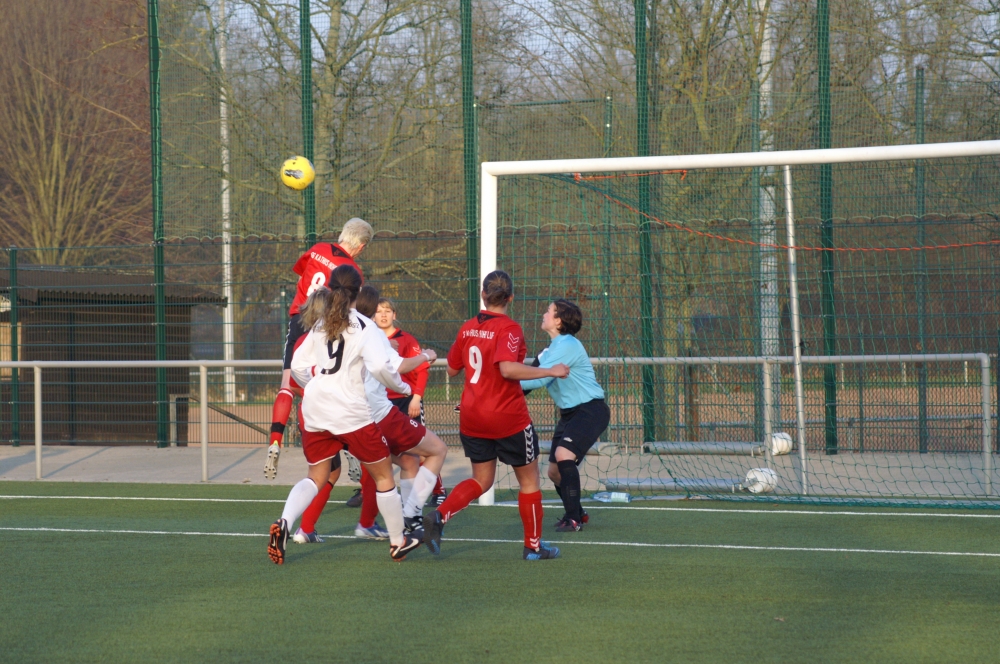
x: 279, y: 538
x: 271, y: 465
x: 413, y: 526
x: 544, y: 552
x: 302, y: 537
x: 437, y: 499
x: 585, y: 519
x: 568, y: 526
x: 398, y: 553
x: 433, y: 528
x: 356, y: 499
x: 376, y: 532
x: 353, y: 469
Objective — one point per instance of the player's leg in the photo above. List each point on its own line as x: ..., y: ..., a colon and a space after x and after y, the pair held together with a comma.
x: 282, y: 407
x: 409, y: 466
x: 306, y: 533
x: 578, y: 432
x: 368, y: 527
x: 391, y: 507
x: 483, y: 475
x: 298, y: 500
x: 434, y: 451
x: 520, y: 451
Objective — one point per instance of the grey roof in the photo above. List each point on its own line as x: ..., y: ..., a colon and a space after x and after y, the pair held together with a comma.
x: 93, y: 284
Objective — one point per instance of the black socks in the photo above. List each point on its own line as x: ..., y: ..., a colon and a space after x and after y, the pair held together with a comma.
x: 569, y: 490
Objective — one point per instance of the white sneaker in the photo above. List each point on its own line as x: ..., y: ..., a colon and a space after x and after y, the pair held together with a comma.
x: 302, y: 537
x: 376, y: 532
x: 271, y: 465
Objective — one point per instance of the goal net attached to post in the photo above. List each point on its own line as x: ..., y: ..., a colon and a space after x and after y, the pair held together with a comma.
x: 751, y: 344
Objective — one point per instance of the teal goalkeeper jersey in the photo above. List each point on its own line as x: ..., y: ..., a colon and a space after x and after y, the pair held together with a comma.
x: 580, y: 386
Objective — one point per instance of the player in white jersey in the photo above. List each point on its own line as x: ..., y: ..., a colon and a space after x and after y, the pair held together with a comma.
x: 330, y: 364
x: 408, y: 441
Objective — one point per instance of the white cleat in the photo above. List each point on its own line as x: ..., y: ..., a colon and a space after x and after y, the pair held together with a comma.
x: 271, y: 465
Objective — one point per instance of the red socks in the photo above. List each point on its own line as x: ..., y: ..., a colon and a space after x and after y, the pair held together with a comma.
x: 460, y: 497
x: 438, y: 488
x: 530, y: 507
x: 311, y: 515
x: 279, y: 415
x: 369, y: 505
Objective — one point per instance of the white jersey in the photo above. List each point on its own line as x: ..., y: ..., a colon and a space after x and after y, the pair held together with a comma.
x: 332, y: 375
x: 378, y: 400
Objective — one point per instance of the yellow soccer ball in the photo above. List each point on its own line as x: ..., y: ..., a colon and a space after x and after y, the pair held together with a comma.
x: 297, y: 173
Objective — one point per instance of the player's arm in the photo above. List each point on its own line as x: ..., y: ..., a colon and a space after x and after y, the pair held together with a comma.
x: 456, y: 361
x: 302, y: 360
x: 418, y: 362
x: 522, y: 372
x: 378, y: 362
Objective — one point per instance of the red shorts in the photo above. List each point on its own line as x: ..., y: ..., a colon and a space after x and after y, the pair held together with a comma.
x: 367, y: 444
x: 402, y: 433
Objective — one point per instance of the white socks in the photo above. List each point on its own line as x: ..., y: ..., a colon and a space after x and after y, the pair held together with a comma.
x: 298, y: 500
x: 423, y: 485
x: 405, y: 486
x: 391, y: 507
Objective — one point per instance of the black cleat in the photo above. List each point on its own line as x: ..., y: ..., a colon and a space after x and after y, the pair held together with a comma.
x: 279, y: 538
x: 413, y: 526
x: 356, y: 499
x: 544, y: 552
x: 398, y: 553
x: 433, y: 528
x: 585, y: 518
x: 568, y: 526
x: 437, y: 498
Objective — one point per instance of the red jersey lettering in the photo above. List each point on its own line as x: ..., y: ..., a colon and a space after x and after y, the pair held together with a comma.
x: 492, y: 406
x: 314, y: 268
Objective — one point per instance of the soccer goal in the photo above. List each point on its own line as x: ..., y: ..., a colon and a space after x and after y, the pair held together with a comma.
x: 806, y: 325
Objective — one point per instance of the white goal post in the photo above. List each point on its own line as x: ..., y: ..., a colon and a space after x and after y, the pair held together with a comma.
x: 489, y: 213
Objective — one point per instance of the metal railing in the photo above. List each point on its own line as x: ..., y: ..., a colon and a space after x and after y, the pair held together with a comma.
x: 765, y: 362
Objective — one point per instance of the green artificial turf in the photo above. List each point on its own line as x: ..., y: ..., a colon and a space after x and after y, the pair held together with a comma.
x: 78, y: 596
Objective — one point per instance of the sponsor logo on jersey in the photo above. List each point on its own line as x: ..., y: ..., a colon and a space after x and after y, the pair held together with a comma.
x: 482, y: 334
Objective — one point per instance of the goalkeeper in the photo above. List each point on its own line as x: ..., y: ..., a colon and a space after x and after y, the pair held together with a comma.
x: 583, y: 413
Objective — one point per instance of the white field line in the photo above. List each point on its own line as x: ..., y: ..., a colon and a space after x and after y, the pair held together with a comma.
x: 732, y: 547
x: 778, y: 512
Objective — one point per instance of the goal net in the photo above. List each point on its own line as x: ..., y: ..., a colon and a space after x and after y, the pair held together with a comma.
x: 713, y: 288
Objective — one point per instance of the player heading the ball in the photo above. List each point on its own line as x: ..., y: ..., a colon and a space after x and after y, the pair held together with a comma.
x: 494, y: 422
x: 313, y: 268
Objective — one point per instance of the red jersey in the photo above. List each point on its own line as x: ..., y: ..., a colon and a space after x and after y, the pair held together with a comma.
x: 492, y: 406
x: 416, y: 379
x: 314, y: 268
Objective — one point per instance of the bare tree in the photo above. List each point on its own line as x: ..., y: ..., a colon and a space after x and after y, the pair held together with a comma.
x: 74, y: 156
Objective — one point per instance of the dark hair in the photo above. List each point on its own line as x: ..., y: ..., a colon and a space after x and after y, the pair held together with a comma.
x: 387, y: 302
x: 367, y: 302
x: 333, y: 303
x: 569, y: 315
x: 498, y: 288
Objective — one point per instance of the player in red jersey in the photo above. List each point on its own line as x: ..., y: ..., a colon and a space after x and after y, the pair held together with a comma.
x: 313, y: 268
x: 494, y: 421
x: 407, y: 346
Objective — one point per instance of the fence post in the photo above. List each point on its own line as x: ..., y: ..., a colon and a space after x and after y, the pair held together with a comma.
x: 470, y: 157
x: 918, y: 174
x: 308, y: 148
x: 826, y: 221
x: 38, y: 423
x: 861, y: 394
x: 15, y: 373
x: 203, y: 408
x: 156, y: 145
x: 987, y: 423
x: 645, y: 238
